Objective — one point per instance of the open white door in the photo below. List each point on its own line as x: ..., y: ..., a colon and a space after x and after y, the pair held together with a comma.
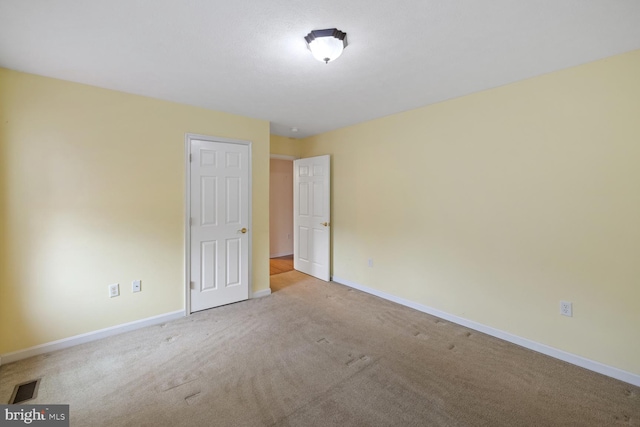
x: 219, y: 235
x: 311, y: 220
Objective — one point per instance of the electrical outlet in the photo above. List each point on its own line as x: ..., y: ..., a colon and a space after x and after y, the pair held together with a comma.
x: 370, y: 262
x: 136, y: 286
x: 566, y: 308
x: 114, y: 290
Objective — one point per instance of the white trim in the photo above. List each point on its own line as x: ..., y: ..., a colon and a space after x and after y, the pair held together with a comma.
x: 282, y: 157
x: 89, y: 336
x: 260, y: 294
x: 591, y: 365
x: 187, y: 203
x: 187, y: 225
x: 281, y: 254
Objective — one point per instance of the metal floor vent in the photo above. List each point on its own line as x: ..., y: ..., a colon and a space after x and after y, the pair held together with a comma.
x: 25, y: 391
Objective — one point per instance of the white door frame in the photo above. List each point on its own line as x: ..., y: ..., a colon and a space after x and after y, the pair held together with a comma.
x: 187, y: 217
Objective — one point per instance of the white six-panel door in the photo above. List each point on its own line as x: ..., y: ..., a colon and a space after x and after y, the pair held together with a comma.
x: 311, y: 219
x: 219, y: 231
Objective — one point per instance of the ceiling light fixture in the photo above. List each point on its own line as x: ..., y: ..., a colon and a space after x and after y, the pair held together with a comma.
x: 326, y: 45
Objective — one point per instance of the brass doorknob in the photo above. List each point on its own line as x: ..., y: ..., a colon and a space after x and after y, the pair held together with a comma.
x: 243, y: 230
x: 326, y: 224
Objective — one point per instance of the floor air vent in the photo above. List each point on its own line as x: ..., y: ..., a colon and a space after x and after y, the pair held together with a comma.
x: 25, y: 391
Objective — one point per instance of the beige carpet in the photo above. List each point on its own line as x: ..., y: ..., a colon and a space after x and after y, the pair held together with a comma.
x: 319, y: 354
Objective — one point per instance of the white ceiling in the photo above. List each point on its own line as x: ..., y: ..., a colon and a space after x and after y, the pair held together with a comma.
x: 249, y: 57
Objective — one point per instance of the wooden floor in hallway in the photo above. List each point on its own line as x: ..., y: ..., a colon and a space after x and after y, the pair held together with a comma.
x: 281, y: 264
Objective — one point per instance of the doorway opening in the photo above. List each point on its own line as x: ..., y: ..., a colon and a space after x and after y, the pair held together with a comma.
x: 300, y: 206
x: 280, y: 216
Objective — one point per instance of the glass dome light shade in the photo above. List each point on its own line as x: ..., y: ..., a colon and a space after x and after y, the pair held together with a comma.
x: 326, y: 45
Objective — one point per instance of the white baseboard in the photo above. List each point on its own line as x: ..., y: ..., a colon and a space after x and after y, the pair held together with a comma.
x: 279, y: 254
x: 260, y: 294
x: 601, y: 368
x: 88, y: 337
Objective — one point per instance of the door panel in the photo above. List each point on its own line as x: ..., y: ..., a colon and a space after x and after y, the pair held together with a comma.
x: 209, y: 256
x: 318, y: 200
x: 219, y: 205
x: 234, y: 262
x: 303, y: 239
x: 312, y: 216
x: 208, y: 196
x: 303, y: 198
x: 234, y: 207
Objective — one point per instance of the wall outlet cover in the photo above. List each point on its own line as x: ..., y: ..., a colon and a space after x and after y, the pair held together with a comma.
x: 566, y: 308
x: 114, y: 290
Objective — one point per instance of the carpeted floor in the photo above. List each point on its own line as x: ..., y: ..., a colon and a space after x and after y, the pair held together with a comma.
x: 319, y: 354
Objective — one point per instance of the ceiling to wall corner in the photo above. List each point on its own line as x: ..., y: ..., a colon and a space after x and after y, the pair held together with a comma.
x: 250, y: 58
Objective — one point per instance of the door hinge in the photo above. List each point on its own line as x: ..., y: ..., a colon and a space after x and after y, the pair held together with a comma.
x: 192, y: 285
x: 190, y: 158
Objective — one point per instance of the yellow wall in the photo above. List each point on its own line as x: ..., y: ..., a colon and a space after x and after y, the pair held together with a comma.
x: 285, y: 146
x: 92, y: 193
x: 496, y: 206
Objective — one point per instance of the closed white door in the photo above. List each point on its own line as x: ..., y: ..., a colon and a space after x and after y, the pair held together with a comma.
x: 219, y: 209
x: 311, y: 219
